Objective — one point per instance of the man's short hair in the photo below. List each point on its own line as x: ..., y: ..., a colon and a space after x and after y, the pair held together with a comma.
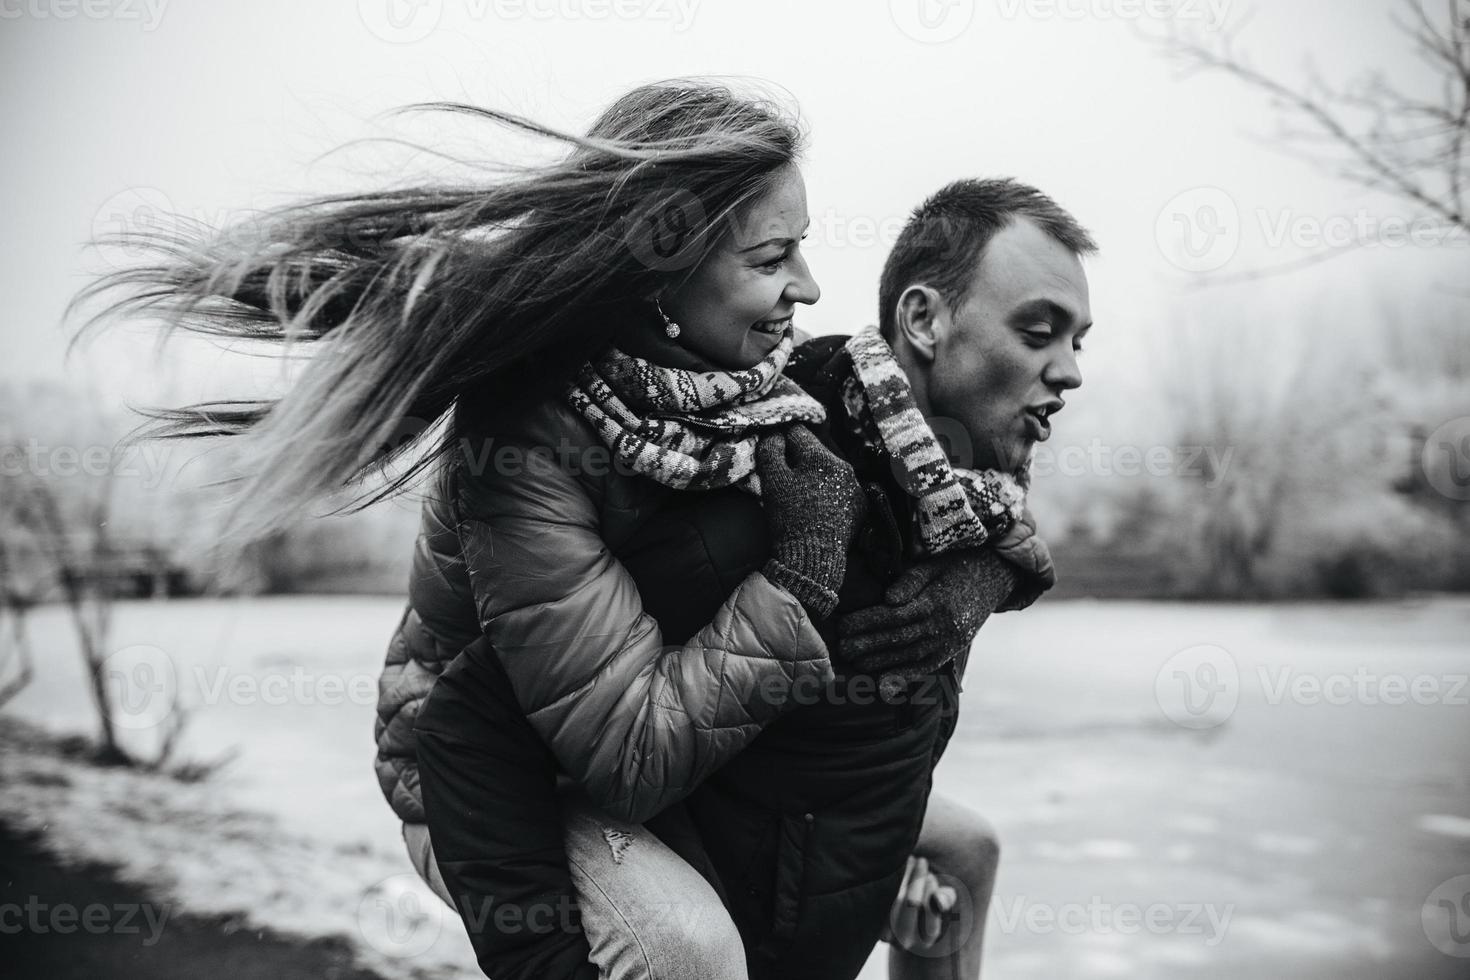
x: 943, y: 240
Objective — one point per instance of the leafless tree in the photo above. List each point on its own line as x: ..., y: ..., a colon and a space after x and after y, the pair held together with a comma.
x: 16, y: 600
x: 56, y: 540
x: 1372, y: 131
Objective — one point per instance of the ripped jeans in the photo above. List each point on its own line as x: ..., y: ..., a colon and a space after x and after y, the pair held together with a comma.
x: 650, y: 916
x: 489, y: 781
x: 647, y: 914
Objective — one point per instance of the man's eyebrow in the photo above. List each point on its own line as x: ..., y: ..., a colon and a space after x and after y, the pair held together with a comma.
x: 1045, y: 309
x: 782, y: 240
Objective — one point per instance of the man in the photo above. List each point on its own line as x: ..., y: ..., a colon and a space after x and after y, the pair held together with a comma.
x: 983, y: 305
x: 984, y: 302
x: 806, y: 830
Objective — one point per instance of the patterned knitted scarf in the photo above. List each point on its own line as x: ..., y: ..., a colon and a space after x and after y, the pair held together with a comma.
x: 691, y: 430
x: 957, y: 508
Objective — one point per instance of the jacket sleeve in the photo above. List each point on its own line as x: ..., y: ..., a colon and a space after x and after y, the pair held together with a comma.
x: 995, y: 583
x: 637, y: 723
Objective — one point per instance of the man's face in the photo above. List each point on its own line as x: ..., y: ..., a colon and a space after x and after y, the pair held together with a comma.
x: 1003, y: 358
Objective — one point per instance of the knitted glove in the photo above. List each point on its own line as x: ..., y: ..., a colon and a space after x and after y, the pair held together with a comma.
x: 814, y: 507
x: 1023, y: 548
x: 930, y: 616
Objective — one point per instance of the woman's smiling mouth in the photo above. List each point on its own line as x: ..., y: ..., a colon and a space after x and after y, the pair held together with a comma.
x: 772, y: 327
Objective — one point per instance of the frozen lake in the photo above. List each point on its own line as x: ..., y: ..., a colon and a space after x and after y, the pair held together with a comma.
x: 1201, y: 790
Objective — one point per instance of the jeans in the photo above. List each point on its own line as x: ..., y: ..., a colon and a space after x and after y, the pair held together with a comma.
x: 649, y: 915
x: 646, y: 913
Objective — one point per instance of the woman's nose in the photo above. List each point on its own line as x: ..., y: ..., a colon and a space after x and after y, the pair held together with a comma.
x: 803, y: 286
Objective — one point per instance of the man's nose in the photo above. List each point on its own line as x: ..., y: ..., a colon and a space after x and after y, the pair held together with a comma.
x: 1062, y: 372
x: 803, y: 286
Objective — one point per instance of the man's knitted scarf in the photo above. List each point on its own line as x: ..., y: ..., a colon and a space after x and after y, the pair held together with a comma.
x: 690, y: 430
x: 956, y: 507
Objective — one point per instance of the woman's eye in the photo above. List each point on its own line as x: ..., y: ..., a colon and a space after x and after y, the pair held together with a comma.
x: 774, y: 264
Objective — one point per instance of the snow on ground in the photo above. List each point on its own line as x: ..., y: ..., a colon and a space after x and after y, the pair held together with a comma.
x: 294, y: 832
x: 1200, y: 790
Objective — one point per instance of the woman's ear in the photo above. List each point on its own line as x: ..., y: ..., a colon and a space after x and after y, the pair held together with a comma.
x: 917, y: 321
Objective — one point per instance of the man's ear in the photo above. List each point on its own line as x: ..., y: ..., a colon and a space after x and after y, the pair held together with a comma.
x: 916, y: 322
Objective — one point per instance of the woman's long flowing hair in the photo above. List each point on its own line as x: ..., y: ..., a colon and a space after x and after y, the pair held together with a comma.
x: 410, y: 298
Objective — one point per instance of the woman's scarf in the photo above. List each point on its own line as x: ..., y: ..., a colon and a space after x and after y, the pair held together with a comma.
x: 690, y: 430
x: 957, y: 508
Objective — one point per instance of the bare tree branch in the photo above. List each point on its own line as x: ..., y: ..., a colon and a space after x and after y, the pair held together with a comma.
x: 1380, y: 136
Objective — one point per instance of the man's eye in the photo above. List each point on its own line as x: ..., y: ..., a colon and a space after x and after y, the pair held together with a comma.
x: 1038, y: 337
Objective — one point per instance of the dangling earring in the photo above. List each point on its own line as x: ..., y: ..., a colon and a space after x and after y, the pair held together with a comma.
x: 670, y: 327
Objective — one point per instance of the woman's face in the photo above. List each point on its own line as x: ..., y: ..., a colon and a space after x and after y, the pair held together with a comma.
x: 734, y: 308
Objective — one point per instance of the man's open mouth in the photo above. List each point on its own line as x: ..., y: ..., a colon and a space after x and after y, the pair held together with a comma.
x: 772, y: 326
x: 1038, y: 419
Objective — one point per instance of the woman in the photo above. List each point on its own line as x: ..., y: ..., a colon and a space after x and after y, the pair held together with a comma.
x: 480, y: 305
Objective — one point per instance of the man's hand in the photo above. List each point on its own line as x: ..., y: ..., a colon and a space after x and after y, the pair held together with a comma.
x: 916, y: 920
x: 1023, y: 547
x: 930, y: 615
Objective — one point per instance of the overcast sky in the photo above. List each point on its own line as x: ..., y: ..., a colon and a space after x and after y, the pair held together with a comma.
x: 115, y: 107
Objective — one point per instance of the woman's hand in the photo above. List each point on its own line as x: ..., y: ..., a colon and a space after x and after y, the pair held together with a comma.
x: 814, y: 507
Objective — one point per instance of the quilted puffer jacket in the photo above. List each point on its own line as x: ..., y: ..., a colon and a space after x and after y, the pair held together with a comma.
x: 516, y: 546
